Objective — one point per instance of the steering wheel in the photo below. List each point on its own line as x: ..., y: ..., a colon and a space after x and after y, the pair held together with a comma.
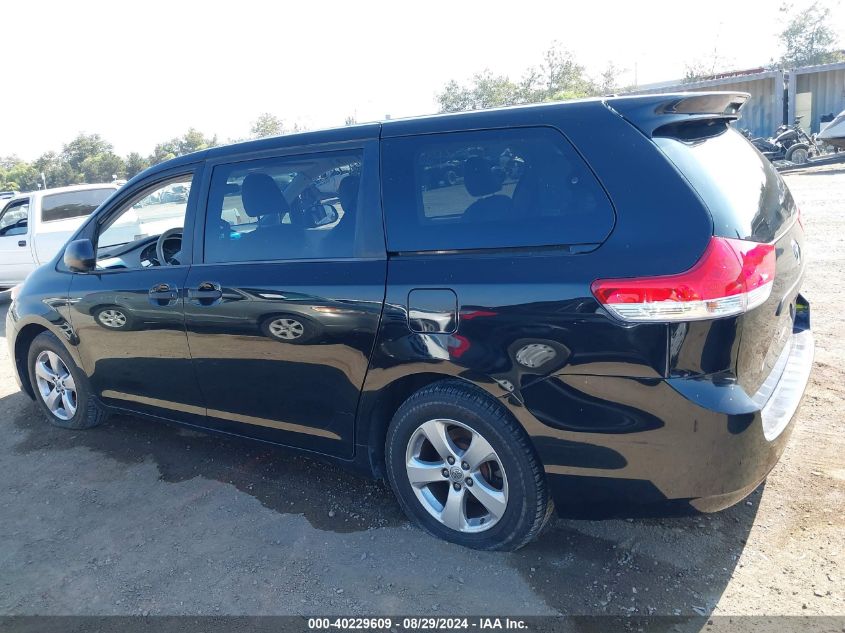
x: 169, y: 233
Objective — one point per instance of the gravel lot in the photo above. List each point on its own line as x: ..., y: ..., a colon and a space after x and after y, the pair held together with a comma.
x: 136, y: 517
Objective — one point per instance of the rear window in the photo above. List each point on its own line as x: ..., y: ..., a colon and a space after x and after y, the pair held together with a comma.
x: 524, y: 187
x: 744, y: 193
x: 72, y: 204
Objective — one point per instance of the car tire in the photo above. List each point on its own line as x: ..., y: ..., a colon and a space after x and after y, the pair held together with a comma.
x: 67, y: 403
x: 493, y: 497
x: 290, y: 328
x: 113, y: 318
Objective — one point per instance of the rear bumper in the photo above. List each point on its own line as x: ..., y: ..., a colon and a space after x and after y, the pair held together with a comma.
x: 699, y: 444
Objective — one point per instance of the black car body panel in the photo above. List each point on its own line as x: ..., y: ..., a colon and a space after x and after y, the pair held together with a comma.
x: 639, y: 412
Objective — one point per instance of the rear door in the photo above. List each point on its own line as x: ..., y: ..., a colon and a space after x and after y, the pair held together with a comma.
x: 283, y: 309
x: 16, y: 260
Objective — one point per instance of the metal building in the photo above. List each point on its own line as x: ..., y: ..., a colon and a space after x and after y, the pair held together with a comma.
x: 764, y: 111
x: 815, y: 91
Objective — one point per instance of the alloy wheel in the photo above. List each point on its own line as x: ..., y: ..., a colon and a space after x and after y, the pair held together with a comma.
x: 55, y: 385
x: 456, y: 475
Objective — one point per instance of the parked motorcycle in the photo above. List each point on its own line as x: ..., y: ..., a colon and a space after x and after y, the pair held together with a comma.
x: 789, y: 142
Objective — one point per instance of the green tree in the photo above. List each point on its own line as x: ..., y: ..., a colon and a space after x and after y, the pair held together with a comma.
x: 807, y: 37
x: 103, y: 167
x: 135, y: 164
x: 486, y: 90
x: 558, y: 76
x: 165, y: 151
x: 267, y: 125
x: 563, y: 76
x: 192, y: 141
x: 19, y: 176
x: 57, y: 172
x: 82, y: 147
x: 609, y: 80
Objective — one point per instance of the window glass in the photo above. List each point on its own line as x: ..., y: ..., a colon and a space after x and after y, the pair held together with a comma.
x: 72, y: 204
x: 742, y: 189
x: 131, y: 239
x: 15, y: 218
x: 299, y: 207
x: 490, y: 189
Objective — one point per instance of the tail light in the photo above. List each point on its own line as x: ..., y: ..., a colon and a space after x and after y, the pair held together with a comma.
x: 731, y: 277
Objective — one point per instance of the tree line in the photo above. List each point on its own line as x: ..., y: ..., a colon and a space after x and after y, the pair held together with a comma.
x: 806, y: 39
x: 90, y: 158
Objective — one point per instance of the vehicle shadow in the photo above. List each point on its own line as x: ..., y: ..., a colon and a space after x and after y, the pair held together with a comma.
x: 676, y: 566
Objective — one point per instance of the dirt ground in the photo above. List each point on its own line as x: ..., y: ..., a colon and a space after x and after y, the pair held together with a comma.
x: 142, y: 518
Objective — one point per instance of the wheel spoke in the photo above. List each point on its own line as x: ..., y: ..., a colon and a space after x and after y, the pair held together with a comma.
x: 42, y: 371
x: 55, y: 363
x: 494, y: 500
x: 52, y: 399
x: 67, y: 404
x: 479, y: 451
x: 69, y: 384
x: 421, y: 473
x: 454, y: 512
x: 435, y: 432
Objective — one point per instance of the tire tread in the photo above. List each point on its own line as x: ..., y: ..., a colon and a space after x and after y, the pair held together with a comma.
x: 453, y: 392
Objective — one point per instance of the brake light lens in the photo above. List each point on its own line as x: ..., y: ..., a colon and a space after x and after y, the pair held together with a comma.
x: 731, y: 277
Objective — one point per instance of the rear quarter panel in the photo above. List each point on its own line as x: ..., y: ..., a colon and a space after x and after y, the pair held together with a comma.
x: 509, y: 299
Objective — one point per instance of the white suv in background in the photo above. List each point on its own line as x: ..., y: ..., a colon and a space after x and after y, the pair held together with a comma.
x: 35, y: 225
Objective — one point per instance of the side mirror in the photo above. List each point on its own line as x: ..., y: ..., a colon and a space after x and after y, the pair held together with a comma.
x: 80, y: 256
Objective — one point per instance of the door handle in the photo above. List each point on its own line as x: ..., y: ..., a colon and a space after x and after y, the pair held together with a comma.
x: 163, y: 294
x: 205, y: 293
x: 21, y: 242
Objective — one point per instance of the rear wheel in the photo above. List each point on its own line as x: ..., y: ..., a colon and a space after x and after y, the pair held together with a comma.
x: 797, y: 154
x: 61, y: 388
x: 463, y: 469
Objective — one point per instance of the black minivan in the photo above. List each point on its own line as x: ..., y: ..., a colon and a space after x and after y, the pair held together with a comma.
x: 592, y: 305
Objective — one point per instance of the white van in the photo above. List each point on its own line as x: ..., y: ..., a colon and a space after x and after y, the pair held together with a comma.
x: 35, y: 225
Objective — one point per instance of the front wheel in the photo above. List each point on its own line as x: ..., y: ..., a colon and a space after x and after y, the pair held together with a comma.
x: 60, y: 386
x: 464, y: 470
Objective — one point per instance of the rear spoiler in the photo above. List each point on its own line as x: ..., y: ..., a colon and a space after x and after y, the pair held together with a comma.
x: 653, y: 114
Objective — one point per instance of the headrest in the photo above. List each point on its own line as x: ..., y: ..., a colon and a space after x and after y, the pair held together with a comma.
x: 479, y: 177
x: 347, y: 192
x: 261, y: 196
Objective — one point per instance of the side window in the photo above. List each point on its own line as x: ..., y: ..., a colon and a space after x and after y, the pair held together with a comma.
x: 146, y: 227
x: 490, y: 189
x: 72, y: 204
x: 15, y: 218
x: 296, y: 207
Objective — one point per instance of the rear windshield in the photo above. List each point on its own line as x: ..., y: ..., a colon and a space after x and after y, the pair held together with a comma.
x: 746, y: 196
x: 72, y: 204
x: 523, y: 187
